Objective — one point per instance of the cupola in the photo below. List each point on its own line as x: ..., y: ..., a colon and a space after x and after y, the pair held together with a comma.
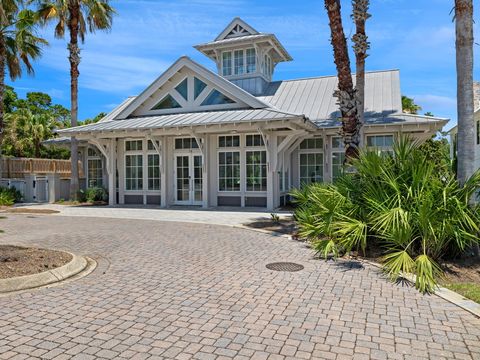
x: 244, y: 56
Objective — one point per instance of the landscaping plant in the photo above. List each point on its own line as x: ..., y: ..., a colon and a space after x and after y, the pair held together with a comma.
x: 9, y: 196
x: 96, y: 194
x: 400, y: 202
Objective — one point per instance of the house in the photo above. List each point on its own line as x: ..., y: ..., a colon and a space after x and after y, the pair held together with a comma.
x: 234, y: 137
x: 453, y: 131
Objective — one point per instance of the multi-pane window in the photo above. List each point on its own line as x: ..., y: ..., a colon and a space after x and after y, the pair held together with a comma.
x: 228, y: 141
x: 133, y: 145
x: 315, y: 143
x: 227, y: 63
x: 338, y: 157
x: 95, y: 176
x: 186, y: 143
x: 153, y: 172
x: 311, y: 168
x: 254, y: 140
x: 229, y: 171
x: 256, y: 166
x: 251, y: 68
x: 238, y: 62
x: 380, y: 141
x: 133, y: 172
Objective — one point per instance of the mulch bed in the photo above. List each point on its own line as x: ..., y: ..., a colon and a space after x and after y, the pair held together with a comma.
x: 20, y: 210
x: 283, y: 226
x: 20, y: 261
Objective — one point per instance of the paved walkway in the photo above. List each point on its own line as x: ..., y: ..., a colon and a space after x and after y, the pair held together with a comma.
x: 232, y: 216
x: 167, y: 290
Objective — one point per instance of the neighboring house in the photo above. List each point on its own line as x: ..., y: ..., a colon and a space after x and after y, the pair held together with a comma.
x: 453, y: 131
x: 235, y: 137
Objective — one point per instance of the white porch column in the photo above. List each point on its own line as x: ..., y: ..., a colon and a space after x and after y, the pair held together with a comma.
x: 205, y: 170
x: 163, y: 173
x: 112, y: 174
x: 272, y: 183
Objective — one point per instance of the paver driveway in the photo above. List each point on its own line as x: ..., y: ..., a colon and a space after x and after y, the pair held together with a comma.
x: 177, y: 290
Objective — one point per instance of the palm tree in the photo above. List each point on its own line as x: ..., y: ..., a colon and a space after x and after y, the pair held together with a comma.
x: 346, y: 94
x: 35, y: 128
x: 465, y: 99
x: 78, y: 17
x: 19, y: 45
x: 361, y: 46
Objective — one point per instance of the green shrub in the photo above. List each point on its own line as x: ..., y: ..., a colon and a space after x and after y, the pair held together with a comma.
x: 9, y: 196
x: 96, y: 194
x: 407, y: 205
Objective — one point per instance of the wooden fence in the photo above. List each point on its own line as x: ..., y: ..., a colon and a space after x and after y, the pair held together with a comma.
x: 16, y: 168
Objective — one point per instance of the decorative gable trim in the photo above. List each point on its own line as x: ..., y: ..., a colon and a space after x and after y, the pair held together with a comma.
x: 227, y: 88
x: 236, y: 28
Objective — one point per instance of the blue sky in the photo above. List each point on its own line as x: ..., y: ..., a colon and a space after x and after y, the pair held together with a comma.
x: 416, y: 37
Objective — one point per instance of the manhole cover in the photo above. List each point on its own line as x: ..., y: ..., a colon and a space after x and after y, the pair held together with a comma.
x: 284, y: 266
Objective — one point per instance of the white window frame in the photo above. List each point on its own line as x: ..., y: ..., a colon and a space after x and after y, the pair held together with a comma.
x: 145, y: 152
x: 154, y: 153
x: 95, y: 158
x: 335, y: 150
x: 381, y: 149
x: 232, y: 62
x: 311, y: 151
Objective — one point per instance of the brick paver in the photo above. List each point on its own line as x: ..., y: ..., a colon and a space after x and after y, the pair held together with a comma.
x: 167, y: 290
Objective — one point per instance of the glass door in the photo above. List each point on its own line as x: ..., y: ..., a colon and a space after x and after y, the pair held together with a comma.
x: 189, y: 179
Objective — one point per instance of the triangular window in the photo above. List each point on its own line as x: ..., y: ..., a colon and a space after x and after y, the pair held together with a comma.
x: 168, y: 102
x: 216, y: 98
x: 199, y: 86
x: 182, y: 88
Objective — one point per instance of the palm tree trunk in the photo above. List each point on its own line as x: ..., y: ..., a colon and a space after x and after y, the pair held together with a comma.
x: 2, y: 94
x: 465, y: 100
x: 361, y: 45
x: 346, y: 93
x: 74, y: 59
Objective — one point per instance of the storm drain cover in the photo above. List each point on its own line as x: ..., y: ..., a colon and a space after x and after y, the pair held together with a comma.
x: 284, y: 266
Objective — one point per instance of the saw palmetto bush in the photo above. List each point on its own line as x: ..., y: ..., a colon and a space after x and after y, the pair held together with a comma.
x: 400, y: 202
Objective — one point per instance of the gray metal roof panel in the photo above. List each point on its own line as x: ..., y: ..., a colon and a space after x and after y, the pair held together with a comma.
x: 185, y: 119
x: 314, y: 97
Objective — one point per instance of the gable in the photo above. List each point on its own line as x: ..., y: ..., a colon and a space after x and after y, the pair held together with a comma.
x: 236, y: 28
x: 187, y: 91
x: 189, y: 87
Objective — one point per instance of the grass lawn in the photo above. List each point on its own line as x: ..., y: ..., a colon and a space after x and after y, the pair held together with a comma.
x: 469, y: 290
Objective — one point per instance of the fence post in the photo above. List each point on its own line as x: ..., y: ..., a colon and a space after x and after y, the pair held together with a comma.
x: 31, y: 165
x: 9, y: 170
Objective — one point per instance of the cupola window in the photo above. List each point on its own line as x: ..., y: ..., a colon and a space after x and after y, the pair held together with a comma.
x: 227, y: 63
x: 239, y: 64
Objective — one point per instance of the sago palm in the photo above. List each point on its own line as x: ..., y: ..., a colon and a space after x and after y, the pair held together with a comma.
x: 19, y: 45
x: 415, y: 211
x: 77, y: 17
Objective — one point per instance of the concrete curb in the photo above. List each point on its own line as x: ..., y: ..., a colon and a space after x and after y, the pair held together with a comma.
x: 75, y: 266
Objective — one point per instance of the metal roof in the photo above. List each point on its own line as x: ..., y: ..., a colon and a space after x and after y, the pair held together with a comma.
x: 185, y: 119
x: 394, y: 119
x: 314, y: 96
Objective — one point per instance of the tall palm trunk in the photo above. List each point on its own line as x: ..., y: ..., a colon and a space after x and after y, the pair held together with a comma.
x: 361, y: 45
x: 3, y: 59
x: 74, y: 59
x: 346, y: 93
x: 465, y: 99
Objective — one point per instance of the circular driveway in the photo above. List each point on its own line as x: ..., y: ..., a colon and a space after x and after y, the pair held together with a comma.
x: 179, y: 290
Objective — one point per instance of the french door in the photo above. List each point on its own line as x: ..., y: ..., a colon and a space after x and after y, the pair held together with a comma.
x: 188, y: 179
